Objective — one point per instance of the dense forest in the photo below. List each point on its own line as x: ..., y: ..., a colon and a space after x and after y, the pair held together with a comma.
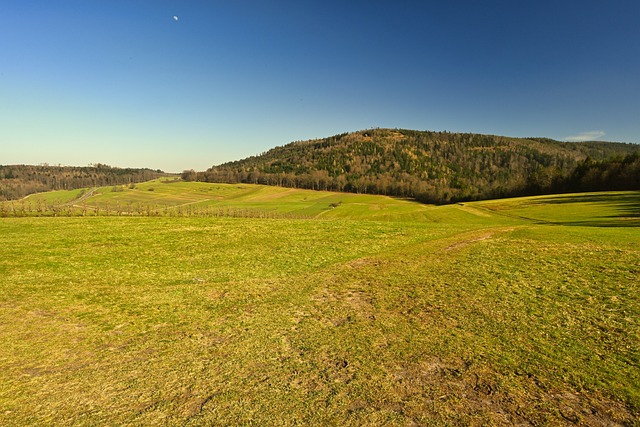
x: 434, y: 167
x: 619, y: 173
x: 17, y: 181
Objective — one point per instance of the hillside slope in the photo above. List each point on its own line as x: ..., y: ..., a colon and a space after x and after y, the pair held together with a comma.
x: 430, y: 166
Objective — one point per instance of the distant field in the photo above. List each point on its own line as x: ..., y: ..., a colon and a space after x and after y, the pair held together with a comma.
x: 177, y: 303
x: 167, y: 197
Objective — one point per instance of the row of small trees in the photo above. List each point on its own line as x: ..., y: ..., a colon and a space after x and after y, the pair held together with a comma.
x: 24, y: 208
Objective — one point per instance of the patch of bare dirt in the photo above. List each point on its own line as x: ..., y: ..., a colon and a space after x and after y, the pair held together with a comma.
x: 462, y: 393
x: 467, y: 242
x: 486, y: 236
x: 363, y: 262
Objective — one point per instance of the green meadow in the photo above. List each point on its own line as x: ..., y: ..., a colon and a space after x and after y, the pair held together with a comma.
x: 173, y: 303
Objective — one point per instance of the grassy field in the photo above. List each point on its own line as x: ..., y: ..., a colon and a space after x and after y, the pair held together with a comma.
x: 168, y: 197
x: 207, y: 304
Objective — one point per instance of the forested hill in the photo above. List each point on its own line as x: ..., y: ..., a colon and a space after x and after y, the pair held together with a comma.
x: 430, y: 166
x: 17, y: 181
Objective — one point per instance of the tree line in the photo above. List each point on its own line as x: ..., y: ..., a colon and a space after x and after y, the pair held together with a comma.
x: 433, y: 167
x: 18, y: 181
x: 619, y: 173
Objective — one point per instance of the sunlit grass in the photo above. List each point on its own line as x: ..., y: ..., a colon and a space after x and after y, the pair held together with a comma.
x: 616, y: 209
x: 167, y: 197
x: 372, y: 312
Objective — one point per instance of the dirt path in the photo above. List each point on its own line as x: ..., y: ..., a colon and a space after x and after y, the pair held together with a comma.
x: 477, y: 238
x: 189, y: 203
x: 473, y: 210
x: 85, y: 196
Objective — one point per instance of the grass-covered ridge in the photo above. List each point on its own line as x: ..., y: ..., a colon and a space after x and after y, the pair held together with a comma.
x: 340, y: 310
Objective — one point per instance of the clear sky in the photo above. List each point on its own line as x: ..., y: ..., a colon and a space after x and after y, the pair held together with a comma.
x: 176, y: 85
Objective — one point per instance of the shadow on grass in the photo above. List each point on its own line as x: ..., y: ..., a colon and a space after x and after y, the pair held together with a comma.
x: 627, y: 204
x: 602, y: 223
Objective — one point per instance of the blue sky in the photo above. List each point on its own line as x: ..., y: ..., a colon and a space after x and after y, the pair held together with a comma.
x: 124, y: 83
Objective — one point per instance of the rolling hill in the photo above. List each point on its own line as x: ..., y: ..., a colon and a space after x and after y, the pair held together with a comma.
x: 17, y: 181
x: 436, y: 167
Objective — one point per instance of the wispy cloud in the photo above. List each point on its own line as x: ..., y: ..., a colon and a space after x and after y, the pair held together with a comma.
x: 585, y: 136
